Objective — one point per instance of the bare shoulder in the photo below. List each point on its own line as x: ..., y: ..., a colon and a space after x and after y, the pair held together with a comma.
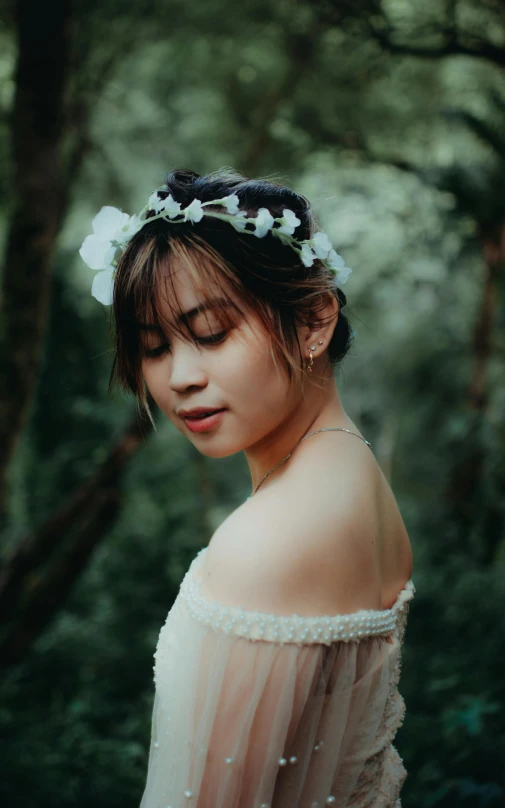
x: 308, y: 544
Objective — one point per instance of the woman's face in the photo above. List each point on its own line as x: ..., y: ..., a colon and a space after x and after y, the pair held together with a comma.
x: 235, y: 372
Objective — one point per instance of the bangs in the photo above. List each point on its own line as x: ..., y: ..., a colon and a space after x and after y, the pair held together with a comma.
x: 156, y: 303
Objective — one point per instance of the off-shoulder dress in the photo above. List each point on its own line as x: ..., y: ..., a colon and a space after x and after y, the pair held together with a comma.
x: 258, y: 710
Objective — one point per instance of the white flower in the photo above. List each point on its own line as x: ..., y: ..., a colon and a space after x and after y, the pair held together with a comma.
x: 289, y: 222
x: 335, y: 260
x: 95, y: 253
x: 321, y: 244
x: 127, y: 232
x: 194, y: 211
x: 103, y: 286
x: 341, y: 275
x: 263, y: 221
x: 337, y: 263
x: 109, y: 221
x: 232, y: 202
x: 307, y: 255
x: 155, y: 203
x: 173, y: 208
x: 240, y: 220
x: 97, y: 250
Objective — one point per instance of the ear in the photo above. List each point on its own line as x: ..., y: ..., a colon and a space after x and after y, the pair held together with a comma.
x: 320, y: 328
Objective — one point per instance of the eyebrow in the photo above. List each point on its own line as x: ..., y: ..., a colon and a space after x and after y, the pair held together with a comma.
x: 186, y: 316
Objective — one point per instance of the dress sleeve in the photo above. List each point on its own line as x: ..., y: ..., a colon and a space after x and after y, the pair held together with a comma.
x: 255, y: 710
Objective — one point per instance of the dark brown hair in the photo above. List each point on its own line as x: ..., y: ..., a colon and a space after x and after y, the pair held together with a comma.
x: 267, y: 275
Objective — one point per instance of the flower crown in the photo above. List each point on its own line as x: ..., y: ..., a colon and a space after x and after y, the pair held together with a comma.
x: 113, y: 229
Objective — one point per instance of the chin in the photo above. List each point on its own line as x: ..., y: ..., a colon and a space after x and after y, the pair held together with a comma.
x: 216, y: 451
x: 215, y: 448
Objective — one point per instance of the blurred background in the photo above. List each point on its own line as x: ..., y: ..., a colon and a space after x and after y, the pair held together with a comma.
x: 390, y: 117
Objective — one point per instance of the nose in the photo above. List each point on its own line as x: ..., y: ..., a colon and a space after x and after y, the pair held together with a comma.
x: 186, y: 367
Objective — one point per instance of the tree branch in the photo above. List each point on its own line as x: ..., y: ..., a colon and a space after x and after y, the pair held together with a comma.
x: 300, y: 51
x: 454, y: 43
x: 50, y: 593
x: 36, y: 548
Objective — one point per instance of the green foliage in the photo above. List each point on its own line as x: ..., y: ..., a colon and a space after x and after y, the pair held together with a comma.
x: 403, y: 159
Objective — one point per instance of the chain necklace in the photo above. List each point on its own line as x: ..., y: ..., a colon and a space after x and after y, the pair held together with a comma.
x: 324, y: 429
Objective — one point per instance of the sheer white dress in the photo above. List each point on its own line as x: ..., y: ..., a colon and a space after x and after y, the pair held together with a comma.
x: 257, y: 710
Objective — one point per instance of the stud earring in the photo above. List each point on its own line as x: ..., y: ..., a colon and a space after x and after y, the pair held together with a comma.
x: 320, y: 342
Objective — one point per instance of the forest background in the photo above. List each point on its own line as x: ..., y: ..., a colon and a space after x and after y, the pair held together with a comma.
x: 390, y: 117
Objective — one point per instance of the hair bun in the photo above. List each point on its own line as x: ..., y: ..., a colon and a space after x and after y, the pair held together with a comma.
x: 180, y: 183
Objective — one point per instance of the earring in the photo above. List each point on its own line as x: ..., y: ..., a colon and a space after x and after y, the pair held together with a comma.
x: 309, y: 366
x: 320, y: 342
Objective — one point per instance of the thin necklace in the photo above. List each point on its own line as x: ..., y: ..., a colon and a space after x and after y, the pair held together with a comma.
x: 324, y: 429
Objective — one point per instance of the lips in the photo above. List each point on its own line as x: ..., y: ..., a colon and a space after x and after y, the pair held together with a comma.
x: 200, y: 415
x: 206, y: 423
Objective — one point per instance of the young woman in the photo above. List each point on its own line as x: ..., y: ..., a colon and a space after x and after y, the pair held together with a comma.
x: 277, y: 668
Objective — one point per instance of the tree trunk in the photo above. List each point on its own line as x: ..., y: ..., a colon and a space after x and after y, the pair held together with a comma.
x: 463, y: 490
x: 44, y: 41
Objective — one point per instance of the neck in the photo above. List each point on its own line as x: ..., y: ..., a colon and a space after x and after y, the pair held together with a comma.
x: 320, y: 408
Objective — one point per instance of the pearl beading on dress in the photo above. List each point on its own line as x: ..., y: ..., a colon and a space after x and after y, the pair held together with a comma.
x: 256, y: 625
x: 330, y: 800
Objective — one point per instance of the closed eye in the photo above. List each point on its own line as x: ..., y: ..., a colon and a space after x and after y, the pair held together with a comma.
x: 214, y: 339
x: 151, y: 352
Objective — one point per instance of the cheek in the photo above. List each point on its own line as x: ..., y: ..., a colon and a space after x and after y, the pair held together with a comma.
x: 153, y: 377
x: 253, y: 376
x: 146, y: 373
x: 242, y: 363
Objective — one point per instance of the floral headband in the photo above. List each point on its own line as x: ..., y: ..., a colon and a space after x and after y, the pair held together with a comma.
x: 113, y: 229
